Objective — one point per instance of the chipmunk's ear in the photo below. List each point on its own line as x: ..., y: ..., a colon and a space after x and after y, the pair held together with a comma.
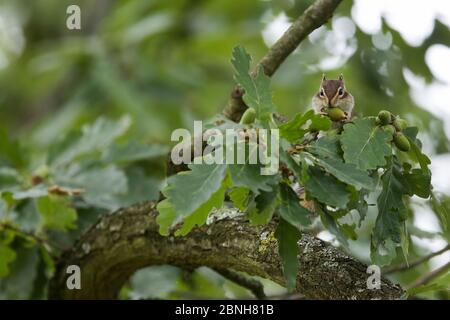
x: 323, y: 77
x: 341, y: 77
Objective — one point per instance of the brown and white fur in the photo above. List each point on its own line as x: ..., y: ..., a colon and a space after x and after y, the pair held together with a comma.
x: 333, y: 94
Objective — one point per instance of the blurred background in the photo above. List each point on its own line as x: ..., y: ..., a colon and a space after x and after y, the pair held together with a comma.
x: 139, y: 69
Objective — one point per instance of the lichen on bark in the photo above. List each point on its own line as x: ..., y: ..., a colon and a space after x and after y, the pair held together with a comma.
x: 128, y: 240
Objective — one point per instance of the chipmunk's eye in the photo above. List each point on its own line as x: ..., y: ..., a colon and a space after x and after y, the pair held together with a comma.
x: 341, y: 92
x: 321, y: 93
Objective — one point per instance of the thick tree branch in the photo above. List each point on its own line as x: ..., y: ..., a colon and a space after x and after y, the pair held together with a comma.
x: 123, y: 242
x: 316, y: 15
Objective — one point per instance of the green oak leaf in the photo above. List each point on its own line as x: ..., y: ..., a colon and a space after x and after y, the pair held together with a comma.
x: 249, y: 175
x: 326, y: 147
x: 132, y: 151
x: 7, y: 255
x: 392, y: 213
x: 166, y: 216
x: 291, y: 130
x: 262, y: 208
x: 295, y: 129
x: 22, y: 281
x: 290, y: 208
x: 287, y: 237
x: 199, y: 216
x: 416, y: 148
x: 346, y: 172
x: 349, y: 231
x: 326, y: 188
x: 365, y: 144
x: 103, y: 185
x: 95, y: 137
x: 440, y: 283
x: 188, y: 190
x: 331, y: 224
x: 56, y: 212
x: 239, y: 197
x: 11, y: 150
x: 34, y: 192
x: 319, y: 123
x: 141, y: 188
x: 359, y: 203
x: 257, y: 89
x: 9, y: 178
x: 418, y: 183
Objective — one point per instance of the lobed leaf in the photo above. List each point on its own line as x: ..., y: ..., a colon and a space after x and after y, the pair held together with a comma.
x: 257, y: 89
x: 326, y: 189
x: 56, y: 212
x: 290, y: 208
x: 288, y: 236
x: 188, y: 190
x: 365, y: 144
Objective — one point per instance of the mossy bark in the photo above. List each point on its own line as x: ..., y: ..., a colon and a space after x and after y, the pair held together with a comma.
x: 123, y: 242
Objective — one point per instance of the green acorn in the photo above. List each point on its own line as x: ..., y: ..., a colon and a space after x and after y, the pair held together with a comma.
x: 400, y: 124
x: 389, y: 128
x: 336, y: 114
x: 384, y: 116
x: 401, y: 142
x: 249, y: 116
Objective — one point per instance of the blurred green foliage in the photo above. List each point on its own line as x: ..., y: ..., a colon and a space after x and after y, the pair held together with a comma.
x: 93, y: 109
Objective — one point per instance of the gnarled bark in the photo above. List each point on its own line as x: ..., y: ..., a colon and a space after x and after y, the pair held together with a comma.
x: 127, y: 240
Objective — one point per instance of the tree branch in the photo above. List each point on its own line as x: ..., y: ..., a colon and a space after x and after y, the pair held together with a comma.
x: 314, y: 16
x: 121, y: 243
x: 416, y: 263
x: 430, y: 276
x: 254, y: 286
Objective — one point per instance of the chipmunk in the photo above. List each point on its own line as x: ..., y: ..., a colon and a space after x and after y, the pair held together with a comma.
x: 333, y: 94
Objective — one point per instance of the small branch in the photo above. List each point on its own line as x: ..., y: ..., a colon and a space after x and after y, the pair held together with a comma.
x: 314, y: 16
x: 30, y: 235
x: 254, y: 286
x: 429, y: 276
x: 414, y: 264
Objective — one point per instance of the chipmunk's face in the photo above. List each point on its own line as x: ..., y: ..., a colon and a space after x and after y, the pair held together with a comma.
x: 333, y: 94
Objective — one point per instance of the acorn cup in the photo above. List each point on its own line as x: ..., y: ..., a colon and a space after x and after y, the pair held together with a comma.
x: 384, y: 117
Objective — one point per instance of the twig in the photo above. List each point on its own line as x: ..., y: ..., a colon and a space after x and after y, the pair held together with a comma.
x: 254, y: 286
x: 25, y: 234
x: 314, y: 16
x: 429, y: 276
x: 414, y: 264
